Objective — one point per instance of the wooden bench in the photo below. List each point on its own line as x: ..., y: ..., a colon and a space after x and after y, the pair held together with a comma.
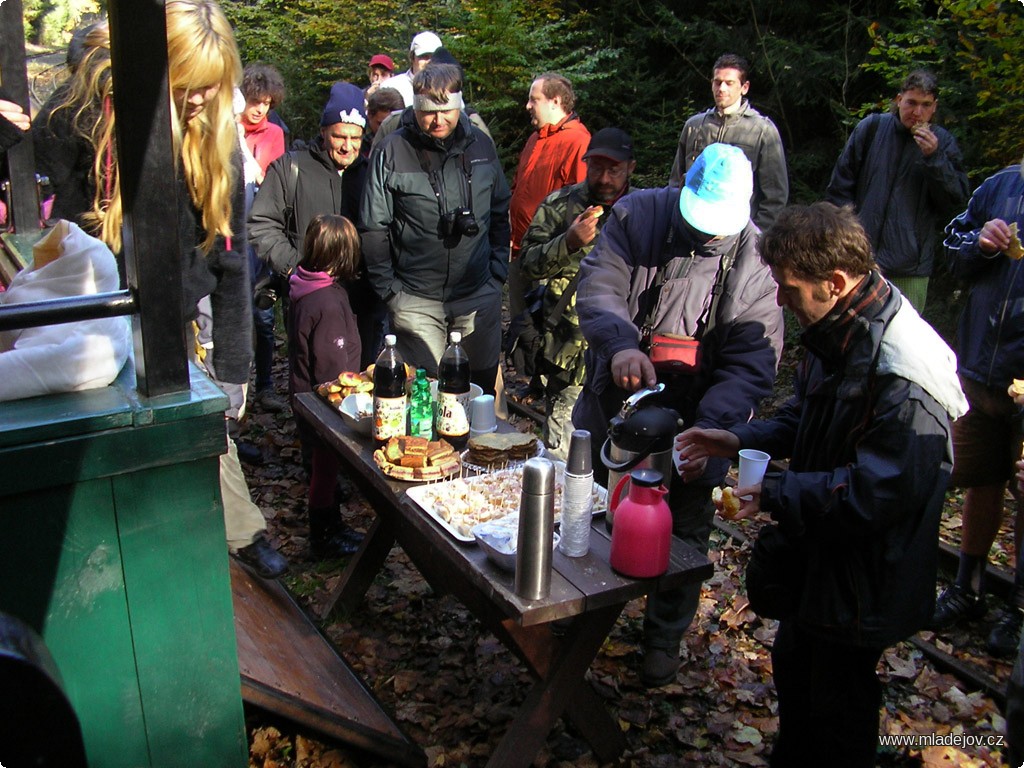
x: 289, y: 668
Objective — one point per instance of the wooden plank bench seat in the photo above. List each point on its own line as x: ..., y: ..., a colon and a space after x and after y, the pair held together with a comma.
x: 288, y: 667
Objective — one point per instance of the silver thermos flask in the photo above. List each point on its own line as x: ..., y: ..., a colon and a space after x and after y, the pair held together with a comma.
x: 536, y: 529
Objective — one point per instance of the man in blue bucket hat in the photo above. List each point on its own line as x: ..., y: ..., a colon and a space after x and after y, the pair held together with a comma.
x: 674, y: 292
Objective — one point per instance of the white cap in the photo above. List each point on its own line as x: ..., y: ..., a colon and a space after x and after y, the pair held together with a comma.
x: 391, y: 339
x: 455, y: 337
x: 424, y: 42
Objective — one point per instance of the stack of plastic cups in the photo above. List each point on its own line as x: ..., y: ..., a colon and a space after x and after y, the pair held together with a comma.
x: 577, y: 497
x: 482, y: 418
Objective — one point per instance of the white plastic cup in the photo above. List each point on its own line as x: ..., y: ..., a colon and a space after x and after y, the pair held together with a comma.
x: 753, y: 464
x: 481, y: 414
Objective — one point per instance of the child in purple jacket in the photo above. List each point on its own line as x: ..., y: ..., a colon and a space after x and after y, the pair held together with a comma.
x: 323, y: 341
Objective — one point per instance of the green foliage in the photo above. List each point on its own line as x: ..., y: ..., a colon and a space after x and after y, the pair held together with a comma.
x: 818, y: 66
x: 50, y: 23
x: 990, y: 54
x: 974, y: 48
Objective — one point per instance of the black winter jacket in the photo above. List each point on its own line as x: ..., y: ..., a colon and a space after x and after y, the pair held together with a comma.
x: 318, y: 188
x: 223, y: 275
x: 403, y: 248
x: 870, y: 456
x: 902, y: 197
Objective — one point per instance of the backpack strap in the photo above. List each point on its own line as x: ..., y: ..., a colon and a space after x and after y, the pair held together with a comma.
x: 570, y: 288
x: 291, y: 191
x: 718, y: 289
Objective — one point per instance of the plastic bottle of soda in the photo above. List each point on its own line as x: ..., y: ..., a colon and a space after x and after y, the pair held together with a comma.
x: 453, y: 392
x: 421, y: 407
x: 389, y: 400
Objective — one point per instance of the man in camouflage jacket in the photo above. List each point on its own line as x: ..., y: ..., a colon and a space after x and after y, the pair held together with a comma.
x: 562, y: 232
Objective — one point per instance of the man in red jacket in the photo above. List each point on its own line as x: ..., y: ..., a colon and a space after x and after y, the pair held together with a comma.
x: 551, y: 159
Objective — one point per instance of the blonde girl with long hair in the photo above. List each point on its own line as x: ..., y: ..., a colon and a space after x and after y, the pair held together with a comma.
x: 203, y: 69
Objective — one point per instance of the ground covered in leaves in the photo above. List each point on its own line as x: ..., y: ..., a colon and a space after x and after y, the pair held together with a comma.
x: 453, y: 687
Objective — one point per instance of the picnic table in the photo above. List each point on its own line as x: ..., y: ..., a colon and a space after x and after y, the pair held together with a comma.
x: 585, y: 590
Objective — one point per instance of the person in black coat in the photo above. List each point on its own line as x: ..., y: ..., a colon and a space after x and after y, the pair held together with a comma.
x: 851, y: 566
x: 326, y: 176
x: 203, y: 66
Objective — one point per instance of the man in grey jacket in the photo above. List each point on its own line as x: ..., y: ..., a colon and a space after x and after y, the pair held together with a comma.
x: 680, y: 262
x: 733, y: 121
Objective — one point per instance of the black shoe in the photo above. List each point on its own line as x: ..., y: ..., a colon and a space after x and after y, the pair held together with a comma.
x: 269, y: 402
x: 329, y: 536
x: 659, y: 668
x: 341, y: 543
x: 1004, y: 639
x: 263, y: 558
x: 249, y: 453
x: 955, y: 604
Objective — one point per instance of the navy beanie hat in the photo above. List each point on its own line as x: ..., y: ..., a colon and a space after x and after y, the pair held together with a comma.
x: 345, y: 105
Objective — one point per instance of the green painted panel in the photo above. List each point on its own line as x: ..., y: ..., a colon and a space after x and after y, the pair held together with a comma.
x: 54, y: 416
x: 114, y: 549
x: 61, y: 573
x: 50, y: 417
x: 31, y: 466
x: 173, y: 545
x: 19, y: 246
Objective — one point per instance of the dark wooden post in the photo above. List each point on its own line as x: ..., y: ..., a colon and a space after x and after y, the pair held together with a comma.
x: 21, y: 164
x: 138, y: 47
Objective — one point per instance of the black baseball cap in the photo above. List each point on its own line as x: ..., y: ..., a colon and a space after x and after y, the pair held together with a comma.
x: 613, y: 143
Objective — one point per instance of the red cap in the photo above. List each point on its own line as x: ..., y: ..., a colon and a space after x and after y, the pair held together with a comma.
x: 380, y: 60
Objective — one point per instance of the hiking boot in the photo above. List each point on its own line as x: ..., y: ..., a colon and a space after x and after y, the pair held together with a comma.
x: 269, y: 402
x: 263, y: 558
x: 330, y: 537
x: 1004, y: 639
x: 955, y: 604
x: 248, y: 453
x: 659, y: 668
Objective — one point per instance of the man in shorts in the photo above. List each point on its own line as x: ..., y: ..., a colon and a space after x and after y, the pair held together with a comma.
x: 987, y: 441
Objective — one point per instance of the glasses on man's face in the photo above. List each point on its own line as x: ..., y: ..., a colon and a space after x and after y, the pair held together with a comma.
x: 612, y: 170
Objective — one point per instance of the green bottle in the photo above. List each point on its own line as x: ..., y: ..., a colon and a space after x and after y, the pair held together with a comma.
x: 421, y: 407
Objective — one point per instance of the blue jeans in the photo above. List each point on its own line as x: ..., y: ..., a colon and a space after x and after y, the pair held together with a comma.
x: 263, y: 324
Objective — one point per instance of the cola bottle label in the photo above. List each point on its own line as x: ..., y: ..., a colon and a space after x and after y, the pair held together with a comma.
x: 452, y: 414
x: 388, y: 417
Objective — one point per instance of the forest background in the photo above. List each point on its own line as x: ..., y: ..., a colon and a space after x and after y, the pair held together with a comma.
x: 818, y: 66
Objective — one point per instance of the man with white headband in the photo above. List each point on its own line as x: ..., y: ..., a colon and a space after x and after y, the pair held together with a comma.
x: 434, y: 221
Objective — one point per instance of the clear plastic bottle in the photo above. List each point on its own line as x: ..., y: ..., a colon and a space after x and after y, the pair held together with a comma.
x: 421, y: 407
x: 453, y: 392
x: 389, y: 399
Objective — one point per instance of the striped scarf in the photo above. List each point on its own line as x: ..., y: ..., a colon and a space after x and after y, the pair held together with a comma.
x: 849, y: 319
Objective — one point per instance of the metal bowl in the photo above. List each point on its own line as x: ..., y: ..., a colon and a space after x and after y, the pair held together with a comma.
x: 497, y: 538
